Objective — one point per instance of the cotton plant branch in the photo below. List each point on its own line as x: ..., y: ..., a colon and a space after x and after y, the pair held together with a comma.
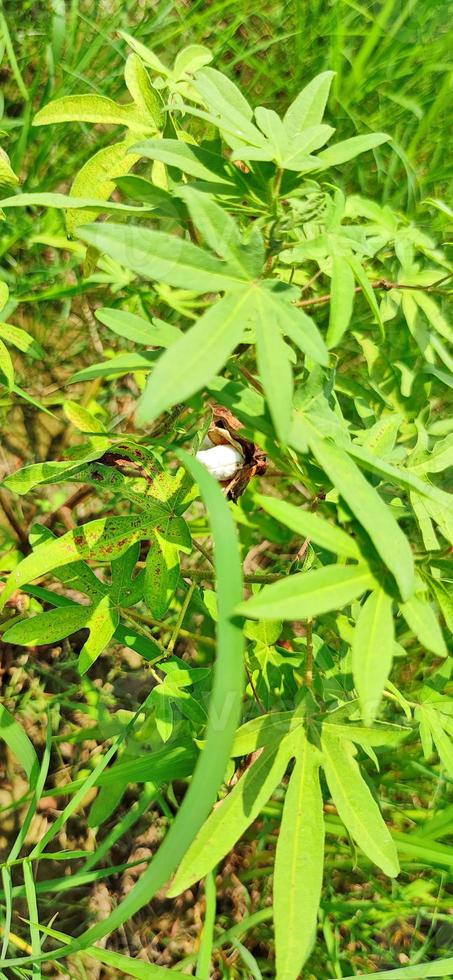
x: 385, y: 284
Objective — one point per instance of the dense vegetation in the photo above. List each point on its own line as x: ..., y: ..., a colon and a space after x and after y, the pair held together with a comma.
x: 226, y: 712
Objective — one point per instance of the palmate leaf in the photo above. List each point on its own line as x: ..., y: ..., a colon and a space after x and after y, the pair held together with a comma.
x: 299, y: 862
x: 372, y: 651
x: 355, y: 804
x: 104, y: 538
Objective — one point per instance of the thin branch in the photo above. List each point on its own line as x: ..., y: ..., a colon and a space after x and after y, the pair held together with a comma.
x: 385, y: 284
x: 14, y: 522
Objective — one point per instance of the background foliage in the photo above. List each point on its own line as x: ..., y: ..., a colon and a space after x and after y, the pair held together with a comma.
x: 366, y: 450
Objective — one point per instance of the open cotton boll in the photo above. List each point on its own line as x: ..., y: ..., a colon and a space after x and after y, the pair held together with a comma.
x: 221, y: 461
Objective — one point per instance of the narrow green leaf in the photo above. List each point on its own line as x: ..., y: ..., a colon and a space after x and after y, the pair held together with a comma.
x: 442, y: 740
x: 48, y: 627
x: 372, y: 651
x: 6, y: 365
x: 368, y: 291
x: 341, y: 301
x: 221, y: 233
x: 151, y: 333
x: 94, y: 179
x: 141, y: 90
x: 309, y: 525
x: 196, y: 357
x: 20, y: 338
x: 88, y: 108
x: 192, y: 160
x: 356, y: 807
x: 340, y: 153
x: 369, y: 509
x: 309, y: 594
x: 157, y: 255
x: 421, y: 619
x: 274, y: 367
x: 13, y: 734
x: 299, y: 863
x: 224, y: 709
x: 102, y: 623
x: 436, y: 968
x: 308, y: 107
x: 230, y: 819
x: 35, y: 936
x: 298, y: 326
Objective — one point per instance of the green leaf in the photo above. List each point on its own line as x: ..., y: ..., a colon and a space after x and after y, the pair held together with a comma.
x: 105, y: 537
x: 157, y: 255
x: 222, y: 234
x: 89, y: 108
x: 102, y: 623
x: 230, y: 819
x: 297, y: 325
x: 7, y: 175
x: 299, y: 864
x: 116, y: 366
x: 162, y: 571
x: 190, y: 59
x: 421, y: 619
x: 341, y: 301
x: 192, y: 160
x: 141, y: 90
x: 224, y: 710
x: 133, y: 967
x: 82, y: 419
x: 436, y: 968
x: 6, y: 366
x: 340, y: 153
x: 48, y: 627
x: 356, y: 807
x: 274, y: 367
x: 367, y: 289
x: 228, y: 109
x: 196, y: 357
x: 13, y: 734
x: 372, y: 651
x: 309, y: 525
x: 309, y: 594
x: 308, y: 107
x: 94, y: 179
x: 151, y: 333
x: 369, y: 509
x: 442, y: 741
x: 20, y: 338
